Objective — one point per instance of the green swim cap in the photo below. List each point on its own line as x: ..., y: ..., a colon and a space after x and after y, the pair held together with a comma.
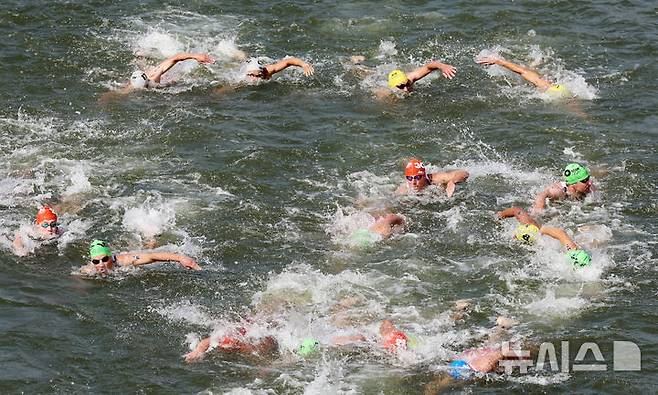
x: 579, y: 258
x: 363, y: 238
x: 99, y: 247
x: 526, y: 233
x: 574, y: 172
x: 557, y: 91
x: 308, y: 347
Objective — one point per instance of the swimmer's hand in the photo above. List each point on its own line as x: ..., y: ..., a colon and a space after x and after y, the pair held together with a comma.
x: 487, y: 61
x: 189, y: 263
x: 448, y: 71
x: 204, y: 58
x: 193, y: 356
x: 307, y: 69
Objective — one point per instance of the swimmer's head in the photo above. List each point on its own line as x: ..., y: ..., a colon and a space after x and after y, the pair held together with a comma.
x: 575, y: 173
x: 99, y: 248
x: 398, y: 79
x: 416, y: 174
x: 557, y: 91
x: 526, y: 233
x: 308, y: 347
x: 139, y: 80
x: 459, y: 370
x: 46, y: 221
x: 261, y: 72
x: 578, y: 258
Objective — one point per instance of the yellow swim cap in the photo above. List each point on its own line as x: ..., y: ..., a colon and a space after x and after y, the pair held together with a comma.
x: 526, y: 233
x: 396, y: 77
x: 557, y: 91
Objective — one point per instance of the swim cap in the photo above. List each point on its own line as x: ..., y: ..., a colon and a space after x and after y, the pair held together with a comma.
x: 98, y: 248
x: 139, y: 79
x: 557, y: 91
x: 308, y: 347
x: 526, y: 233
x: 459, y: 369
x: 46, y: 214
x: 574, y: 172
x: 414, y: 167
x: 364, y: 238
x: 395, y: 340
x: 578, y: 258
x: 397, y: 77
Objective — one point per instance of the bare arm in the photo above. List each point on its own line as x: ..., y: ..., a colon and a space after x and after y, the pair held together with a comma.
x: 198, y: 351
x: 552, y: 192
x: 450, y: 179
x: 144, y: 258
x: 447, y: 70
x: 287, y: 62
x: 529, y: 75
x: 19, y: 247
x: 520, y: 215
x: 559, y: 235
x: 156, y: 73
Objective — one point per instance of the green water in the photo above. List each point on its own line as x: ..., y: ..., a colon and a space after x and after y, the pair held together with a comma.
x: 251, y: 182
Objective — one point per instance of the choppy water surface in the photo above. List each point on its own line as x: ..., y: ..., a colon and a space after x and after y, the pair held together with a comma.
x: 263, y: 184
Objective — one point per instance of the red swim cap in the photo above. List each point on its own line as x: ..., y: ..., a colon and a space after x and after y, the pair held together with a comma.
x: 414, y: 168
x: 395, y: 340
x: 46, y: 214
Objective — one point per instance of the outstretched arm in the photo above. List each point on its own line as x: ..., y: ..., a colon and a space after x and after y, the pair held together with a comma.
x: 144, y: 258
x: 156, y: 73
x: 198, y: 351
x: 529, y: 75
x: 559, y: 235
x: 520, y: 215
x: 447, y: 70
x: 287, y: 62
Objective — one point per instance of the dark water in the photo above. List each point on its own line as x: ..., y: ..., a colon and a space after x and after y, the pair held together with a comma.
x: 262, y: 184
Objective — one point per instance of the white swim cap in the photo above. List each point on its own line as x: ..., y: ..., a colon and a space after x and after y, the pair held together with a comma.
x: 138, y: 79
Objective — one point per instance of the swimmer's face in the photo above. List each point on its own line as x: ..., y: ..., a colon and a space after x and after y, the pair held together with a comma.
x: 102, y: 264
x: 406, y: 87
x: 259, y: 74
x: 417, y: 182
x: 584, y: 186
x: 47, y: 228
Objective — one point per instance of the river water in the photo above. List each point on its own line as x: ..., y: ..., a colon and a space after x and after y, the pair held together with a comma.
x: 264, y: 183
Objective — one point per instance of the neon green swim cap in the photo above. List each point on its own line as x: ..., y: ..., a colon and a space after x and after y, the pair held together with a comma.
x: 574, y: 173
x: 98, y: 248
x: 364, y: 238
x: 579, y: 258
x: 526, y: 233
x: 309, y: 347
x: 557, y: 91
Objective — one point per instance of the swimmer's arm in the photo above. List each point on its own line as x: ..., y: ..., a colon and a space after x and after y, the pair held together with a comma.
x: 527, y: 74
x: 455, y: 177
x: 520, y: 215
x: 559, y: 235
x: 447, y: 71
x: 287, y: 62
x: 198, y: 351
x: 156, y: 73
x: 19, y: 247
x: 551, y: 192
x: 139, y: 258
x: 402, y: 189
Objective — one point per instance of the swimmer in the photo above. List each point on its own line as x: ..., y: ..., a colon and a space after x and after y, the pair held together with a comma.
x: 418, y: 177
x: 555, y: 91
x: 576, y: 185
x: 141, y: 79
x: 266, y: 72
x: 400, y: 81
x: 45, y: 227
x: 103, y: 262
x: 235, y: 343
x: 392, y: 339
x: 529, y: 229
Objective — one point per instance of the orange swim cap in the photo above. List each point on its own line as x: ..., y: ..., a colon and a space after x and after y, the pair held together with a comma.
x: 395, y: 340
x: 414, y: 168
x: 46, y: 214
